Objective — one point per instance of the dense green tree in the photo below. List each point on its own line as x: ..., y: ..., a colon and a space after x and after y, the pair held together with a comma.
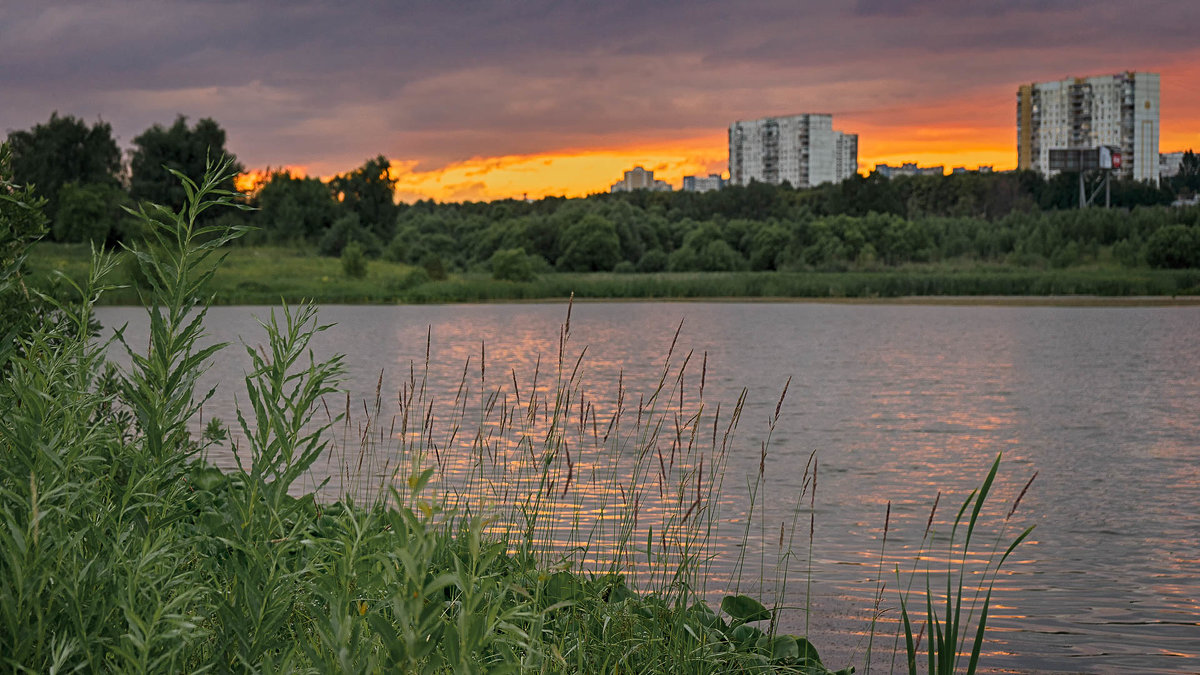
x: 1174, y: 246
x: 177, y: 147
x: 369, y: 192
x: 61, y: 151
x: 767, y: 245
x: 92, y: 213
x: 295, y: 209
x: 512, y: 264
x: 345, y: 230
x: 1187, y: 181
x: 591, y: 245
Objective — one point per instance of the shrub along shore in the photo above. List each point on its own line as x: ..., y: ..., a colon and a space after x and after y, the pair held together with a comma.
x: 266, y: 275
x: 123, y: 550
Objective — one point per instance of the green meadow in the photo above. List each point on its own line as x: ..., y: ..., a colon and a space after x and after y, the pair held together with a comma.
x: 268, y: 274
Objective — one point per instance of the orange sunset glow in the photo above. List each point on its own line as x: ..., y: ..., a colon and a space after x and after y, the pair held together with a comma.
x: 969, y: 131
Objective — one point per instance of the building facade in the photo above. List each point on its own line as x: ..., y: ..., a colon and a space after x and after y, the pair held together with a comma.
x: 703, y: 184
x: 1169, y: 163
x: 909, y: 169
x: 803, y: 150
x: 638, y: 178
x: 1118, y: 110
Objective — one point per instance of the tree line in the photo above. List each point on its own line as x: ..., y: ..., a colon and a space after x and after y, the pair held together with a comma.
x: 1016, y: 218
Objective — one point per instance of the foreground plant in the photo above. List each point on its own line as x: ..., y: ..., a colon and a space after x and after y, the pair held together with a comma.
x: 947, y: 628
x: 122, y: 550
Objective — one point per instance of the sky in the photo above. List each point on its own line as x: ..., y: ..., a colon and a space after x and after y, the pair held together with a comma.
x: 489, y: 100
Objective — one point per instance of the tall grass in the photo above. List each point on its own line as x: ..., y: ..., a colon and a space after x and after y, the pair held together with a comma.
x: 946, y: 627
x: 522, y: 528
x: 264, y: 275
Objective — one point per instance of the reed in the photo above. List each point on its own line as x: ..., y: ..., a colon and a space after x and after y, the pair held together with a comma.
x: 947, y: 627
x: 531, y: 527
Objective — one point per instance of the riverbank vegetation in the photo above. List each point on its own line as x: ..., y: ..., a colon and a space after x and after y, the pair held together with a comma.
x: 123, y: 549
x: 1012, y: 233
x: 560, y: 534
x: 267, y: 274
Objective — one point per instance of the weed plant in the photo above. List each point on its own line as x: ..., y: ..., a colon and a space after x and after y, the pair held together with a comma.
x: 509, y: 543
x: 946, y: 627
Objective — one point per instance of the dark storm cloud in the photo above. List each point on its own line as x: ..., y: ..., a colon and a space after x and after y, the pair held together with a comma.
x: 329, y: 84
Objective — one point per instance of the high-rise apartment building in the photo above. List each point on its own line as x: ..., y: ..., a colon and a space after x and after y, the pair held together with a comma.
x: 803, y: 150
x: 1085, y: 112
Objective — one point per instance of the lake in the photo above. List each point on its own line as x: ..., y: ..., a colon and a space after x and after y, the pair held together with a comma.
x: 899, y: 403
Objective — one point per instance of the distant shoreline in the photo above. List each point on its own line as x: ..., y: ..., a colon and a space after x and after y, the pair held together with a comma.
x: 915, y: 300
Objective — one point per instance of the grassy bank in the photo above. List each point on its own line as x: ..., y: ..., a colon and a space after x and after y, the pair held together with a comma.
x: 265, y: 275
x: 530, y: 528
x: 123, y: 550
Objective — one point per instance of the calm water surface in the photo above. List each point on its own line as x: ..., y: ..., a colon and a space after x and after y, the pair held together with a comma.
x: 900, y: 403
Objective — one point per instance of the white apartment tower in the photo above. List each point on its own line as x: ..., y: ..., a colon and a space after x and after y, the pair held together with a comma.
x: 803, y: 150
x: 1085, y: 112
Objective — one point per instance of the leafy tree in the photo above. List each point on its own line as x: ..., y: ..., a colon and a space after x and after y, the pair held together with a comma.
x: 370, y: 193
x: 295, y: 209
x: 719, y: 256
x: 655, y: 260
x: 61, y: 151
x: 180, y: 148
x: 1174, y: 246
x: 91, y: 213
x: 345, y: 230
x: 512, y: 264
x: 591, y: 245
x: 1188, y: 178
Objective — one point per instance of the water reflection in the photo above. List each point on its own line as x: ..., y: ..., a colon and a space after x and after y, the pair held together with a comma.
x: 899, y: 403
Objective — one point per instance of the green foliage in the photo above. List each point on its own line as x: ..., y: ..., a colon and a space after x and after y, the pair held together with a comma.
x: 433, y: 266
x: 591, y: 244
x: 947, y: 628
x: 178, y: 149
x: 294, y: 209
x: 1174, y: 247
x: 93, y: 213
x: 346, y: 229
x: 512, y: 264
x: 354, y: 262
x: 63, y: 151
x: 369, y: 192
x: 21, y: 224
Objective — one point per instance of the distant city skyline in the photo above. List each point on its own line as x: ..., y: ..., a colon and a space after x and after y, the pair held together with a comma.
x: 540, y: 98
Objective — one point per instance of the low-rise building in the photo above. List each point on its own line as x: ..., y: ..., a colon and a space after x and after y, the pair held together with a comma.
x: 638, y: 178
x: 703, y: 184
x: 1169, y: 163
x: 909, y: 169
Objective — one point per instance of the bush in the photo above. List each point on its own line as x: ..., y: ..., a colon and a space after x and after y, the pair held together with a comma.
x: 512, y: 264
x: 354, y: 262
x: 344, y: 230
x: 89, y: 213
x: 1174, y: 247
x: 434, y: 267
x: 654, y: 260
